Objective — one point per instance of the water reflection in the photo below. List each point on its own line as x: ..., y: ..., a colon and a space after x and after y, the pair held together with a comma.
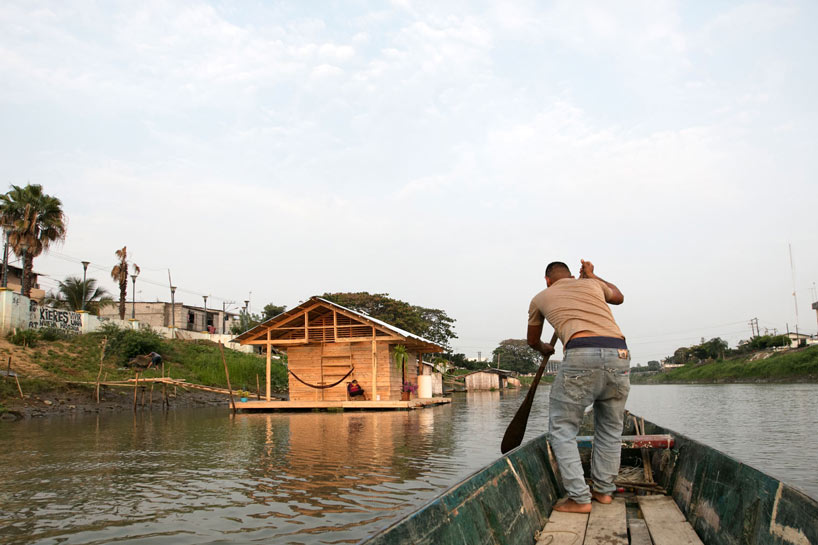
x: 202, y: 476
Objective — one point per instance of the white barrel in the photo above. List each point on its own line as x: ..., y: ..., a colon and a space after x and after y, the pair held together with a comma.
x: 425, y: 386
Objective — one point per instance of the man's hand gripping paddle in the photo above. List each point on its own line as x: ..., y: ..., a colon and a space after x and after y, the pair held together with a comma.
x: 516, y: 429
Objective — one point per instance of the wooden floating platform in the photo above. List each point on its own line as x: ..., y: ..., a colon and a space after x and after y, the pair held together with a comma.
x: 253, y: 405
x: 662, y: 524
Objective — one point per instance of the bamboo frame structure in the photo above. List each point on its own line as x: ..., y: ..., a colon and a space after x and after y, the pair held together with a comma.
x: 326, y: 342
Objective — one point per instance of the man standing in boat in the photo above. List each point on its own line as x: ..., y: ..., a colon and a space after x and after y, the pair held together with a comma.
x: 595, y: 371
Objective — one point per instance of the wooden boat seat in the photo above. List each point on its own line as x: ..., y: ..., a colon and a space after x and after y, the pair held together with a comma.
x: 633, y: 441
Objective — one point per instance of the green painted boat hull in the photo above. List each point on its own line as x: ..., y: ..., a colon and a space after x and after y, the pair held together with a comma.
x: 726, y: 501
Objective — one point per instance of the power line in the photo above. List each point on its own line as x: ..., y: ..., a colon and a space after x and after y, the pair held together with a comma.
x: 106, y: 270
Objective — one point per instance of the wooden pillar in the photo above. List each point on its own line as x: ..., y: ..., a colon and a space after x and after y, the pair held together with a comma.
x: 269, y: 354
x: 334, y: 325
x: 374, y: 367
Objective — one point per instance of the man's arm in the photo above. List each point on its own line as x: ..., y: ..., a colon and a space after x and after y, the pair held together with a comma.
x: 533, y: 337
x: 587, y: 271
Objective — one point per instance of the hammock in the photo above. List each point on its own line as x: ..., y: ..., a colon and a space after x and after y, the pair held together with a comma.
x: 321, y: 387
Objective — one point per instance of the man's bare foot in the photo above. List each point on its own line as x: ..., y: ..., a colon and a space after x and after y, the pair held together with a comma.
x: 600, y: 497
x: 570, y: 506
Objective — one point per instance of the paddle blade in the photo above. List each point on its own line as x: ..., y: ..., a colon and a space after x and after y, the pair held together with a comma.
x: 515, y: 431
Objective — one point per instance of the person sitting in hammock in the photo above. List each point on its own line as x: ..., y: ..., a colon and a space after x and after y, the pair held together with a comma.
x: 354, y: 389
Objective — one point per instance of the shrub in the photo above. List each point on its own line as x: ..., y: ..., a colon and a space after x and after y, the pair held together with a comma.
x: 127, y: 343
x: 53, y: 334
x: 23, y: 337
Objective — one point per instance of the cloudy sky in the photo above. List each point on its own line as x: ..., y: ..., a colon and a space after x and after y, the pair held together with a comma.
x: 441, y: 152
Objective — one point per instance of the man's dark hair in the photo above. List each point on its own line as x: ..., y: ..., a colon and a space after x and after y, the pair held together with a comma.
x: 556, y: 266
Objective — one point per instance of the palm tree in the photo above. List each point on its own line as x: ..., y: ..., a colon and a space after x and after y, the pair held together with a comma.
x: 70, y: 293
x: 33, y: 221
x: 120, y: 274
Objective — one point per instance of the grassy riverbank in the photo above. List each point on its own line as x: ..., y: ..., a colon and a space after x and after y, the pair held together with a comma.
x: 56, y: 367
x: 526, y: 381
x: 799, y: 365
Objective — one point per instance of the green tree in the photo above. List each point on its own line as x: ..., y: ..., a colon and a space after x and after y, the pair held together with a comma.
x: 768, y: 341
x: 712, y: 349
x: 681, y: 356
x: 271, y: 310
x: 516, y: 355
x: 246, y: 322
x: 458, y: 360
x: 70, y: 292
x: 120, y: 275
x: 34, y: 221
x: 431, y: 323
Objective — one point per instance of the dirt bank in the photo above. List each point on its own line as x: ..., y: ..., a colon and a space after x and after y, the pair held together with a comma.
x: 73, y: 400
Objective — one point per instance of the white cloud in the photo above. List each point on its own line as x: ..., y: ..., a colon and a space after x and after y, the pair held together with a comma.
x: 481, y: 140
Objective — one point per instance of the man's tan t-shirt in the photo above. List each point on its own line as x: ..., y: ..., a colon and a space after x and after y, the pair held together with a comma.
x: 572, y: 305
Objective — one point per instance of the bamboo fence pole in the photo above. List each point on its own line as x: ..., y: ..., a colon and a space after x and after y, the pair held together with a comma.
x: 150, y: 398
x: 16, y: 379
x: 19, y: 389
x: 135, y: 387
x: 101, y: 357
x: 227, y: 375
x: 164, y: 386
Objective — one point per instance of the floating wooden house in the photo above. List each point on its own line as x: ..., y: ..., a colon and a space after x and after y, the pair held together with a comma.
x: 487, y: 379
x: 327, y: 346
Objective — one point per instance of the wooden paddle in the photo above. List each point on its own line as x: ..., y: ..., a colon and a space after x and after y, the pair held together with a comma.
x: 516, y: 429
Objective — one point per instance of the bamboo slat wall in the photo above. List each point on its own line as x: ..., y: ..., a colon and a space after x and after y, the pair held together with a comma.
x: 324, y: 341
x: 327, y: 363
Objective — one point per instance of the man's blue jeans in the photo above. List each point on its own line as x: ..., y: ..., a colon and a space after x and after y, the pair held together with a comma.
x: 589, y: 376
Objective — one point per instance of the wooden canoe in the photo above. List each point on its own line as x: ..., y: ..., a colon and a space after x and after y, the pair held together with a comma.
x: 711, y: 498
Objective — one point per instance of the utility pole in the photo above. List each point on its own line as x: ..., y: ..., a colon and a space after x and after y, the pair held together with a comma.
x: 479, y: 355
x: 133, y: 299
x: 794, y: 298
x: 84, y: 271
x: 172, y: 307
x: 756, y: 332
x: 172, y: 310
x: 815, y: 306
x: 6, y: 258
x: 224, y: 315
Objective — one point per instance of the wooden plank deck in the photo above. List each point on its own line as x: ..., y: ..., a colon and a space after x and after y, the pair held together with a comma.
x: 607, y: 524
x: 564, y: 529
x: 663, y: 524
x: 253, y: 405
x: 666, y: 523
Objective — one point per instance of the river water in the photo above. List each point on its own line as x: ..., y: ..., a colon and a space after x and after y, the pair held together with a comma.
x: 202, y: 476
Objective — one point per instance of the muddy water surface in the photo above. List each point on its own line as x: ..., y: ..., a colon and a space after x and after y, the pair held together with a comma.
x: 201, y: 476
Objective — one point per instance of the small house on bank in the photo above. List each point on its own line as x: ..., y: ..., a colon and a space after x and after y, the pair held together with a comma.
x: 488, y: 379
x: 329, y: 345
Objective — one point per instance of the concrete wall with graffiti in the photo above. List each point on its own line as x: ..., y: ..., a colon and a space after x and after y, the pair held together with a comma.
x: 19, y: 312
x: 42, y: 317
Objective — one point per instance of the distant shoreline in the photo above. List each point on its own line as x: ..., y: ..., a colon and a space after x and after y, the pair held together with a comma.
x: 796, y: 366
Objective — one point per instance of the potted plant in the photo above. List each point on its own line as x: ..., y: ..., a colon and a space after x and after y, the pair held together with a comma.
x: 407, y: 390
x: 401, y: 356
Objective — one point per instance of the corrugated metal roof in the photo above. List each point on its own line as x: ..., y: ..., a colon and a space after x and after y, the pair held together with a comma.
x: 402, y: 332
x: 491, y: 370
